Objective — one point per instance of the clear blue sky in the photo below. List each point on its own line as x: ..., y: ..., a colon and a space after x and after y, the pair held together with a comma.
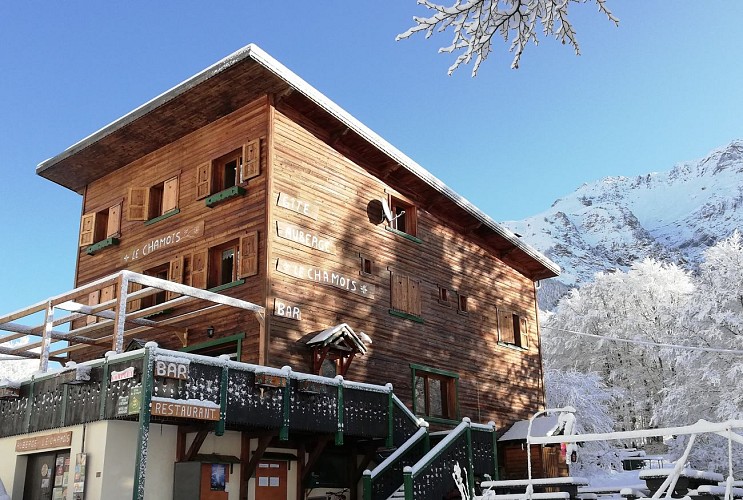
x: 663, y: 87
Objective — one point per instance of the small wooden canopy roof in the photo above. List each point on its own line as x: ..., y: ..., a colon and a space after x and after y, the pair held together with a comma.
x: 338, y: 336
x: 337, y: 343
x: 239, y: 79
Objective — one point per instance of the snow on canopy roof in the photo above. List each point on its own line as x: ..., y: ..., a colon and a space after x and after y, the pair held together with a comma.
x: 277, y: 69
x: 335, y: 334
x: 542, y: 427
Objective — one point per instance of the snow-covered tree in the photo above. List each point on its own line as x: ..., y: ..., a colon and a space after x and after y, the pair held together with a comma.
x: 476, y: 22
x: 593, y: 402
x: 630, y: 313
x: 620, y: 308
x: 707, y: 383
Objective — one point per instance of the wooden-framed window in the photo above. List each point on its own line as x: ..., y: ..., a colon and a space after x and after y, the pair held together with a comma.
x: 233, y: 260
x: 444, y: 296
x: 163, y: 272
x: 230, y: 345
x: 97, y: 226
x: 367, y: 266
x: 435, y: 392
x: 147, y: 203
x: 236, y: 167
x: 513, y: 329
x: 223, y: 264
x: 403, y: 216
x: 405, y: 294
x: 462, y: 303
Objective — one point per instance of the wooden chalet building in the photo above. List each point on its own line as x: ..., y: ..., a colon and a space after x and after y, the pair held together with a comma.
x: 243, y: 215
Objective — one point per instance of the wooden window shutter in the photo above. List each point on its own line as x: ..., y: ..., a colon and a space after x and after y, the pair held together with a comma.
x: 248, y: 255
x: 199, y: 268
x: 136, y: 304
x: 251, y: 166
x: 93, y: 300
x: 175, y: 274
x: 114, y: 221
x: 399, y: 292
x: 203, y: 180
x: 524, y: 332
x: 87, y: 229
x: 414, y: 297
x: 108, y: 293
x: 170, y: 194
x: 505, y: 323
x: 139, y: 200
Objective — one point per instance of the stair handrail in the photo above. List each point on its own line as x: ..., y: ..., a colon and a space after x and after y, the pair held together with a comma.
x: 414, y: 439
x: 411, y: 472
x: 407, y: 411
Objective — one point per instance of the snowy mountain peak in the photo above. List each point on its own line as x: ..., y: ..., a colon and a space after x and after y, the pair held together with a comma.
x: 672, y: 215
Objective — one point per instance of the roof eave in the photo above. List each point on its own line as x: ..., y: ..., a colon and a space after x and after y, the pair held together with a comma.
x: 252, y: 51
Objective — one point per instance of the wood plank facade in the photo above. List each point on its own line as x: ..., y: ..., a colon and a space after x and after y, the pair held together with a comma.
x: 273, y: 201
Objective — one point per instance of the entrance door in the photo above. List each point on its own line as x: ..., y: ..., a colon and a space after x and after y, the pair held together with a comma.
x: 44, y: 471
x: 214, y: 479
x: 270, y: 480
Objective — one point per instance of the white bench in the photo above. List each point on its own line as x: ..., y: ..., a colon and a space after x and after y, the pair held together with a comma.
x: 708, y: 489
x: 558, y: 495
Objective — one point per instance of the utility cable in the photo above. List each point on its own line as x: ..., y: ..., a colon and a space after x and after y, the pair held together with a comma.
x: 647, y: 342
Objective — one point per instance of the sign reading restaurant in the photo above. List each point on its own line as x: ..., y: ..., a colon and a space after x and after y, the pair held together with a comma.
x: 171, y: 408
x: 163, y: 241
x: 325, y: 277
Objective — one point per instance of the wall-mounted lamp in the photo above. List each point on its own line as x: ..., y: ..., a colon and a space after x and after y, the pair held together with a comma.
x: 210, y: 332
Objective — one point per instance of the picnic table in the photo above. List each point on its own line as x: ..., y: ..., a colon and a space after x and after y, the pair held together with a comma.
x: 689, y: 480
x: 628, y: 492
x: 557, y: 488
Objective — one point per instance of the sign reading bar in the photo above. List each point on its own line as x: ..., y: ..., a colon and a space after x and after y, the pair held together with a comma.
x: 173, y: 238
x: 325, y: 277
x: 281, y: 308
x: 183, y: 410
x: 299, y: 206
x: 58, y: 440
x: 171, y: 369
x: 305, y: 237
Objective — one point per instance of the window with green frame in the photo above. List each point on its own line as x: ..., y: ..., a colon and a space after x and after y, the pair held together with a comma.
x: 435, y: 393
x: 231, y: 345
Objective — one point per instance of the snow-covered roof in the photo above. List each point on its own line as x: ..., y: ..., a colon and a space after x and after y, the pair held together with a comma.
x: 74, y: 177
x: 336, y: 334
x: 542, y: 427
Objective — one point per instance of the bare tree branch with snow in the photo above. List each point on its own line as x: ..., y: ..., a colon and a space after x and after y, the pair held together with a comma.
x: 476, y: 22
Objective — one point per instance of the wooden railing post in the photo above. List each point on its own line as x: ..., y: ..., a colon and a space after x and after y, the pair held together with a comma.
x: 143, y: 438
x: 470, y: 460
x: 46, y: 339
x: 407, y: 474
x: 341, y: 413
x: 224, y: 381
x: 496, y: 474
x: 286, y: 405
x: 367, y: 485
